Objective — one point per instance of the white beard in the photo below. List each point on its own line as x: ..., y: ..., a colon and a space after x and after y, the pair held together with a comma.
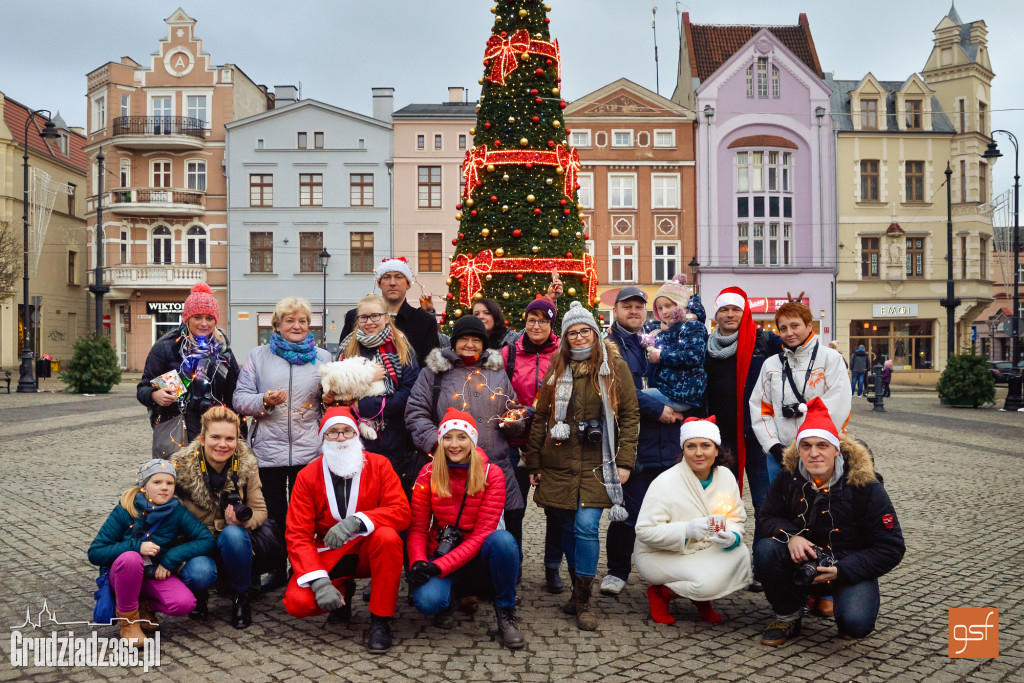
x: 344, y: 458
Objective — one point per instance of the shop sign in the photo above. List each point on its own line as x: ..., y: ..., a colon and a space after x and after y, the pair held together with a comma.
x: 771, y: 304
x: 894, y: 310
x: 165, y: 306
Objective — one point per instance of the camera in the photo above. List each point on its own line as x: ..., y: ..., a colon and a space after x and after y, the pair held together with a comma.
x: 448, y: 538
x: 589, y: 431
x: 149, y: 571
x: 791, y: 410
x: 805, y: 572
x: 231, y: 498
x: 201, y: 394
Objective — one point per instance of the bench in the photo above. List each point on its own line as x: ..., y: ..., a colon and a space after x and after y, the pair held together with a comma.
x: 7, y: 378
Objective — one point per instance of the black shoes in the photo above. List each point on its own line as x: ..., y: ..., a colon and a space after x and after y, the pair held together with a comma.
x: 202, y: 609
x: 241, y: 611
x: 552, y: 581
x: 778, y: 632
x: 378, y: 640
x: 274, y: 580
x: 508, y: 631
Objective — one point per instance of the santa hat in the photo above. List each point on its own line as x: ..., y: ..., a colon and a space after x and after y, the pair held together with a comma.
x: 818, y: 423
x: 393, y: 265
x: 675, y: 291
x: 696, y: 428
x: 456, y: 419
x: 338, y: 415
x: 201, y: 301
x: 745, y: 340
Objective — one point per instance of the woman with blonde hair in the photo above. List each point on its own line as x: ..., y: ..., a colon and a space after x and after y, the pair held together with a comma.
x: 280, y: 387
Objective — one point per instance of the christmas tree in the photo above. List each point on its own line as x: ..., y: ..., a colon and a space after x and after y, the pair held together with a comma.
x: 519, y: 220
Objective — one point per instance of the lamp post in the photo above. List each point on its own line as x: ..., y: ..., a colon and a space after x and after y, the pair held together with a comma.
x: 26, y: 380
x: 325, y: 256
x: 97, y: 287
x: 950, y: 302
x: 1014, y: 397
x: 694, y: 265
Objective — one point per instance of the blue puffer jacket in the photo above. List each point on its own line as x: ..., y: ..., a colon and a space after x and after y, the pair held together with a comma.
x: 658, y: 445
x: 681, y: 375
x: 120, y: 534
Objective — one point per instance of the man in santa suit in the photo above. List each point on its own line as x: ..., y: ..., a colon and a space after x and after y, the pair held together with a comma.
x: 344, y: 517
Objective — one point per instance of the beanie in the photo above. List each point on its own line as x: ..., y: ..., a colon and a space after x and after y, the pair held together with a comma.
x: 576, y: 315
x: 818, y: 423
x: 469, y: 326
x: 201, y: 301
x: 697, y: 428
x: 155, y: 466
x: 544, y: 305
x: 675, y: 291
x: 456, y: 419
x: 393, y: 265
x: 338, y: 415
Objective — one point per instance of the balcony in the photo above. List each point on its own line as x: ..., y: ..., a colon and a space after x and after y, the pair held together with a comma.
x: 152, y: 276
x: 153, y: 202
x: 159, y: 132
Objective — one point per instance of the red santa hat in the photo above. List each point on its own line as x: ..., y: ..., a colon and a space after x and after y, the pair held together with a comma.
x: 734, y: 296
x: 696, y: 428
x: 818, y: 423
x: 456, y: 419
x: 393, y: 265
x: 335, y: 416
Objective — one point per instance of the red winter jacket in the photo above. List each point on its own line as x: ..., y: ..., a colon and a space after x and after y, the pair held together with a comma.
x: 430, y: 511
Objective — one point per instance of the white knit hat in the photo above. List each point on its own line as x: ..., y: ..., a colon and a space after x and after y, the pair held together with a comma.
x: 393, y: 265
x: 696, y: 428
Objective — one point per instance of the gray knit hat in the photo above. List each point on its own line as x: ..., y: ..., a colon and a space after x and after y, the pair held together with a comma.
x: 576, y: 315
x: 155, y: 466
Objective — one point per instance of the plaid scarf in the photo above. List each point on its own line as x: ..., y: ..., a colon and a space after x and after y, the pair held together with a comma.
x: 383, y: 343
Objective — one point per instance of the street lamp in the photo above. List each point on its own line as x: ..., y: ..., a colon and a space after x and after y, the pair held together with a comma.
x: 1015, y: 389
x: 26, y: 381
x: 950, y: 302
x: 695, y: 270
x: 324, y: 258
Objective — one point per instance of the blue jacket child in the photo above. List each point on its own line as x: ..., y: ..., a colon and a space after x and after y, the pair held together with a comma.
x: 680, y: 376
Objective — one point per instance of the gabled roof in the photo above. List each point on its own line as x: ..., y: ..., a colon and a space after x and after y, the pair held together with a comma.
x: 440, y: 110
x: 711, y: 45
x: 307, y: 104
x: 15, y: 116
x: 630, y: 99
x: 841, y: 109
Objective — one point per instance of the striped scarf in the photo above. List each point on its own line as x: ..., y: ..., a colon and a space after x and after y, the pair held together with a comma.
x: 383, y: 343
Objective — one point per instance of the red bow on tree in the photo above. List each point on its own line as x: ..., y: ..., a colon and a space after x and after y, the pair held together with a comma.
x: 475, y: 160
x: 502, y: 53
x: 569, y: 161
x: 468, y: 269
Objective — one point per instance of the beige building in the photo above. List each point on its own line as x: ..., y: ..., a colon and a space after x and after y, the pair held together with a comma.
x: 57, y: 259
x: 160, y: 125
x: 894, y: 140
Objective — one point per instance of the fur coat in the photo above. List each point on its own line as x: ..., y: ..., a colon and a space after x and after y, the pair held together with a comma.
x: 204, y: 503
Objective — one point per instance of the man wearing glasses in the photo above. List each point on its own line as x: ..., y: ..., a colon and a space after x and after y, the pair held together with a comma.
x: 394, y: 277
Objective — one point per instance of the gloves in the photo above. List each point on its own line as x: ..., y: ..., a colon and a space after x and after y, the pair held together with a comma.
x: 339, y: 534
x: 776, y: 451
x: 723, y: 539
x: 420, y: 572
x: 327, y: 596
x: 697, y: 528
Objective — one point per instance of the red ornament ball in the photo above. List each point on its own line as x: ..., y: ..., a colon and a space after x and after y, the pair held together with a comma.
x: 548, y: 62
x: 529, y: 165
x: 504, y: 34
x: 517, y: 233
x: 551, y: 143
x: 459, y: 206
x: 563, y: 202
x: 494, y: 199
x: 568, y: 254
x: 562, y: 105
x: 462, y: 235
x: 534, y: 91
x: 450, y: 296
x: 547, y: 20
x: 566, y: 212
x: 473, y: 212
x: 539, y: 71
x: 536, y: 212
x: 455, y: 241
x: 536, y: 119
x: 519, y: 276
x: 586, y: 236
x: 487, y: 126
x: 538, y: 100
x: 497, y: 143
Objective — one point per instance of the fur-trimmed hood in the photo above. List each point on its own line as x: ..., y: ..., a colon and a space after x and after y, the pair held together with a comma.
x: 191, y: 488
x: 859, y: 464
x: 440, y: 361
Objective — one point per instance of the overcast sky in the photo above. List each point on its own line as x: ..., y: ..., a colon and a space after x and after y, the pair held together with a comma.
x: 339, y: 49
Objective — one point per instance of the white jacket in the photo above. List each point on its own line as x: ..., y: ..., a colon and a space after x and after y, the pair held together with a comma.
x: 828, y: 379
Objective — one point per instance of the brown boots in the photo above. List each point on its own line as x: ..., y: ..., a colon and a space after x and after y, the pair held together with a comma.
x: 586, y: 620
x: 147, y: 618
x: 130, y: 629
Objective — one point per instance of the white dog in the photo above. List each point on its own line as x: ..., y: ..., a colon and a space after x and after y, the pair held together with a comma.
x: 350, y: 380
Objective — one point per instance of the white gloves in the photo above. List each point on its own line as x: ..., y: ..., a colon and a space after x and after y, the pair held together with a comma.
x: 723, y: 539
x: 697, y: 528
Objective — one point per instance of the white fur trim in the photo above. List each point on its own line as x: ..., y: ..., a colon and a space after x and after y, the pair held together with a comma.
x: 312, y: 576
x: 449, y: 425
x: 392, y: 265
x: 730, y: 299
x: 700, y: 429
x: 337, y: 419
x: 367, y: 522
x: 820, y: 433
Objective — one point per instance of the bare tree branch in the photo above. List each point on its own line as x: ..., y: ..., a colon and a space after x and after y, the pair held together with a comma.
x: 10, y: 258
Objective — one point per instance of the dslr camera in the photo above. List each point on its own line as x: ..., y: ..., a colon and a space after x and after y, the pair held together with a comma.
x: 589, y: 431
x: 448, y: 538
x: 791, y: 410
x: 231, y: 499
x: 805, y: 572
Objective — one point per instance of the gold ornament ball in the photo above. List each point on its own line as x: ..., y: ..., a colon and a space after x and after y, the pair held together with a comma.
x: 489, y: 277
x: 524, y: 142
x: 485, y: 232
x: 580, y: 207
x: 572, y: 291
x: 555, y: 91
x: 448, y: 282
x: 505, y: 295
x: 556, y: 123
x: 478, y: 295
x: 470, y: 202
x: 458, y: 216
x: 490, y: 168
x: 524, y: 13
x: 494, y: 10
x: 472, y: 131
x: 530, y: 198
x: 579, y: 234
x: 458, y: 313
x: 478, y: 107
x: 547, y: 8
x: 554, y: 232
x: 549, y: 181
x: 505, y: 177
x: 499, y: 251
x: 480, y: 81
x: 535, y: 249
x: 560, y: 171
x: 511, y: 119
x: 504, y: 207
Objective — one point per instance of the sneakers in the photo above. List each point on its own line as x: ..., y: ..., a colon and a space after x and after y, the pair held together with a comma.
x: 378, y: 640
x: 778, y: 632
x: 755, y: 586
x: 612, y: 585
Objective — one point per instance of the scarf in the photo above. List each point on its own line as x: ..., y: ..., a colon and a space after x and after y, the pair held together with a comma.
x: 694, y: 490
x: 194, y: 351
x: 154, y: 514
x: 385, y: 353
x: 530, y: 347
x: 836, y: 476
x: 721, y: 345
x: 296, y: 353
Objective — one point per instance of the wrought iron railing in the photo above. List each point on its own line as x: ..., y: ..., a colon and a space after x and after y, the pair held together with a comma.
x: 159, y: 125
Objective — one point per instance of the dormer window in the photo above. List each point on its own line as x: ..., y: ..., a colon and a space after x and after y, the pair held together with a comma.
x: 869, y: 114
x: 914, y: 116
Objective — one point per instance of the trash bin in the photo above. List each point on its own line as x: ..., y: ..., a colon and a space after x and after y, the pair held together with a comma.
x: 42, y: 368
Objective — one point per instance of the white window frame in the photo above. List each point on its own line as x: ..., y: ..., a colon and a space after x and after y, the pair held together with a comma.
x: 438, y: 142
x: 205, y: 118
x: 126, y: 104
x: 612, y: 189
x: 150, y: 247
x: 152, y: 174
x: 590, y: 247
x: 613, y: 260
x: 622, y: 131
x: 125, y: 171
x: 586, y: 191
x: 576, y: 135
x: 189, y: 173
x: 656, y: 258
x: 99, y: 113
x: 160, y: 94
x: 192, y: 244
x: 669, y: 204
x: 664, y: 131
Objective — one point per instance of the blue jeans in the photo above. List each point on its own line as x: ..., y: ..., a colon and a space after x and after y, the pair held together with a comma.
x: 856, y: 605
x: 580, y: 538
x: 233, y: 555
x: 857, y: 383
x: 659, y: 396
x: 773, y: 468
x: 499, y: 553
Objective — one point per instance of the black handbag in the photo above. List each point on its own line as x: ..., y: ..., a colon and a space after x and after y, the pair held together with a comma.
x: 268, y: 547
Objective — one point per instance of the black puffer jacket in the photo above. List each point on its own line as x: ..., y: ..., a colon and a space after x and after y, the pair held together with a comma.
x: 165, y: 356
x: 862, y: 528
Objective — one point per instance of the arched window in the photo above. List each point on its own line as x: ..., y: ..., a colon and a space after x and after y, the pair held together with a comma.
x: 162, y: 244
x: 196, y: 245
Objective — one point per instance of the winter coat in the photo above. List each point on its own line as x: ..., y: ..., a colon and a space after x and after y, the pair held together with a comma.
x: 204, y: 503
x: 528, y: 370
x: 422, y: 420
x: 828, y: 379
x: 571, y: 471
x: 680, y: 374
x: 859, y: 361
x: 166, y: 356
x: 886, y: 375
x: 658, y: 443
x: 695, y: 569
x: 285, y: 434
x: 117, y: 536
x: 418, y: 325
x: 430, y: 512
x: 855, y: 516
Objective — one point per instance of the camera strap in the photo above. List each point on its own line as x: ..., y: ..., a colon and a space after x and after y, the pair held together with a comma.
x: 788, y: 372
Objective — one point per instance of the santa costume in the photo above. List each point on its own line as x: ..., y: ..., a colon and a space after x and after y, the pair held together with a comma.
x: 328, y: 490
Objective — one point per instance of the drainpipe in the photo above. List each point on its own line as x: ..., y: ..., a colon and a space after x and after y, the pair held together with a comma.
x: 820, y: 113
x: 709, y: 114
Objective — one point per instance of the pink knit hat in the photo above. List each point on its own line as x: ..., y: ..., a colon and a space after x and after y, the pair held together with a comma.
x: 201, y: 301
x: 675, y: 291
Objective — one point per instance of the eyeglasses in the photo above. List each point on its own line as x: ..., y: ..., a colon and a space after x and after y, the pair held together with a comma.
x: 585, y: 333
x: 537, y: 322
x: 372, y: 317
x: 342, y: 434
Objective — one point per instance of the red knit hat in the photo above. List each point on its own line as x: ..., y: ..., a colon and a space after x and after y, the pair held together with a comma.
x: 457, y: 419
x: 734, y: 296
x: 201, y: 301
x: 818, y: 423
x: 337, y: 415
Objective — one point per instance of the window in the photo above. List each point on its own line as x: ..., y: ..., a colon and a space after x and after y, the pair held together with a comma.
x: 869, y: 181
x: 462, y: 141
x: 437, y: 141
x: 161, y: 174
x: 579, y: 138
x: 963, y: 180
x: 622, y: 138
x: 983, y: 258
x: 664, y: 138
x: 982, y: 181
x: 302, y: 141
x: 743, y: 243
x: 429, y: 252
x: 195, y: 175
x: 869, y: 257
x: 311, y: 189
x: 758, y: 240
x: 963, y: 257
x: 913, y: 114
x: 750, y: 81
x: 72, y: 188
x: 776, y: 90
x: 666, y: 261
x: 915, y: 257
x: 763, y: 189
x: 99, y: 113
x: 126, y: 173
x: 124, y: 247
x: 259, y: 143
x: 869, y: 114
x: 310, y: 246
x: 261, y: 252
x: 665, y: 192
x: 586, y: 191
x: 126, y: 105
x: 163, y: 109
x: 429, y: 178
x: 915, y: 181
x: 963, y: 116
x: 621, y: 191
x: 361, y: 250
x: 261, y: 189
x: 361, y: 189
x: 196, y: 245
x: 162, y: 245
x: 318, y: 140
x: 72, y: 268
x: 982, y: 110
x: 762, y: 77
x: 623, y: 257
x: 195, y: 108
x: 909, y: 343
x: 421, y: 142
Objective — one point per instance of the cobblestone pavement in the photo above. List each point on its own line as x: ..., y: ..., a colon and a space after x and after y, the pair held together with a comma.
x: 955, y: 477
